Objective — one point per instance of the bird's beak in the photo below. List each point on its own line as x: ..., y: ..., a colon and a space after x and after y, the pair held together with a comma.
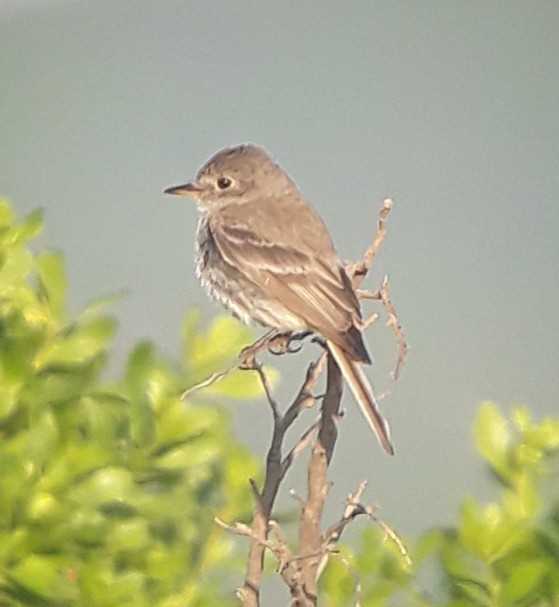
x: 188, y: 189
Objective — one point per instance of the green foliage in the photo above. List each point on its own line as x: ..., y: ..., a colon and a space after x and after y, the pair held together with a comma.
x: 507, y: 553
x: 503, y: 554
x: 107, y: 492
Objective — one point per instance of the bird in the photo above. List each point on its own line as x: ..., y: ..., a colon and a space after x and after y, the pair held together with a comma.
x: 267, y: 256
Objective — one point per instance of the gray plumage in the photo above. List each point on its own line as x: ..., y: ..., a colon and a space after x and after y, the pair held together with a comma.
x: 266, y: 255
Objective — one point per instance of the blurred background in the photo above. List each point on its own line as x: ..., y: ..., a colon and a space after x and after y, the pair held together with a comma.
x: 450, y: 108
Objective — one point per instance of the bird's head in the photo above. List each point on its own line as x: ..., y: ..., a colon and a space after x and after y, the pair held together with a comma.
x: 235, y: 176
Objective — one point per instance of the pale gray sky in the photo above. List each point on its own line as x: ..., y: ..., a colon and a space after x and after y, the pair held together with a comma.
x: 450, y: 108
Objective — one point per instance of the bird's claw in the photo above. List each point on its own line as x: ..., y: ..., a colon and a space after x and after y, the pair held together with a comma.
x: 283, y: 343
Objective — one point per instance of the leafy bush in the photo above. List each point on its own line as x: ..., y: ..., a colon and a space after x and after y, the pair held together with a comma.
x: 107, y: 492
x: 503, y: 554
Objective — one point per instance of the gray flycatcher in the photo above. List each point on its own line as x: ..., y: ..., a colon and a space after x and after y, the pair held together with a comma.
x: 266, y: 255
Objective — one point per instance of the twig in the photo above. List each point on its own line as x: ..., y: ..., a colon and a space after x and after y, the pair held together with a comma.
x: 359, y: 270
x: 332, y: 535
x: 304, y: 398
x: 370, y: 320
x: 353, y: 508
x: 392, y: 535
x: 394, y: 323
x: 267, y: 388
x: 299, y: 446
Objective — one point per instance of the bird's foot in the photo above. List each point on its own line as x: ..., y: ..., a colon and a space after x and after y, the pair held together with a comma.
x: 283, y: 343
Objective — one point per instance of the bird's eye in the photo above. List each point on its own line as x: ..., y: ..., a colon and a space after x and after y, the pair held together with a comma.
x: 223, y: 183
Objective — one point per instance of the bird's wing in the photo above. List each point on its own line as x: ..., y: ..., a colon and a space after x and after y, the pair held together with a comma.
x: 309, y: 283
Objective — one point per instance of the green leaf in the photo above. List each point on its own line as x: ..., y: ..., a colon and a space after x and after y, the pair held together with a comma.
x: 13, y: 482
x: 189, y: 456
x: 493, y: 437
x: 105, y: 486
x: 28, y: 228
x: 37, y: 574
x: 488, y: 532
x: 460, y: 564
x: 6, y: 214
x: 131, y: 536
x: 148, y: 376
x: 50, y: 268
x: 537, y: 438
x: 179, y: 422
x: 524, y: 501
x: 13, y: 273
x: 79, y: 345
x: 477, y: 593
x: 99, y: 305
x: 523, y: 579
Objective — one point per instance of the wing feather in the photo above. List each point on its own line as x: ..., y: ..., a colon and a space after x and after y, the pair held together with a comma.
x: 314, y: 288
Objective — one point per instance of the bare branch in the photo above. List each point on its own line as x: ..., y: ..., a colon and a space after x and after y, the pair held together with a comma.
x: 370, y: 321
x: 276, y: 468
x: 359, y: 270
x: 299, y: 447
x: 304, y: 398
x: 310, y: 541
x: 394, y: 323
x: 236, y: 529
x: 256, y: 366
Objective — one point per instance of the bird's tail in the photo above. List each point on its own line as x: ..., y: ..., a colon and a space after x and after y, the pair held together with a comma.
x: 361, y: 388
